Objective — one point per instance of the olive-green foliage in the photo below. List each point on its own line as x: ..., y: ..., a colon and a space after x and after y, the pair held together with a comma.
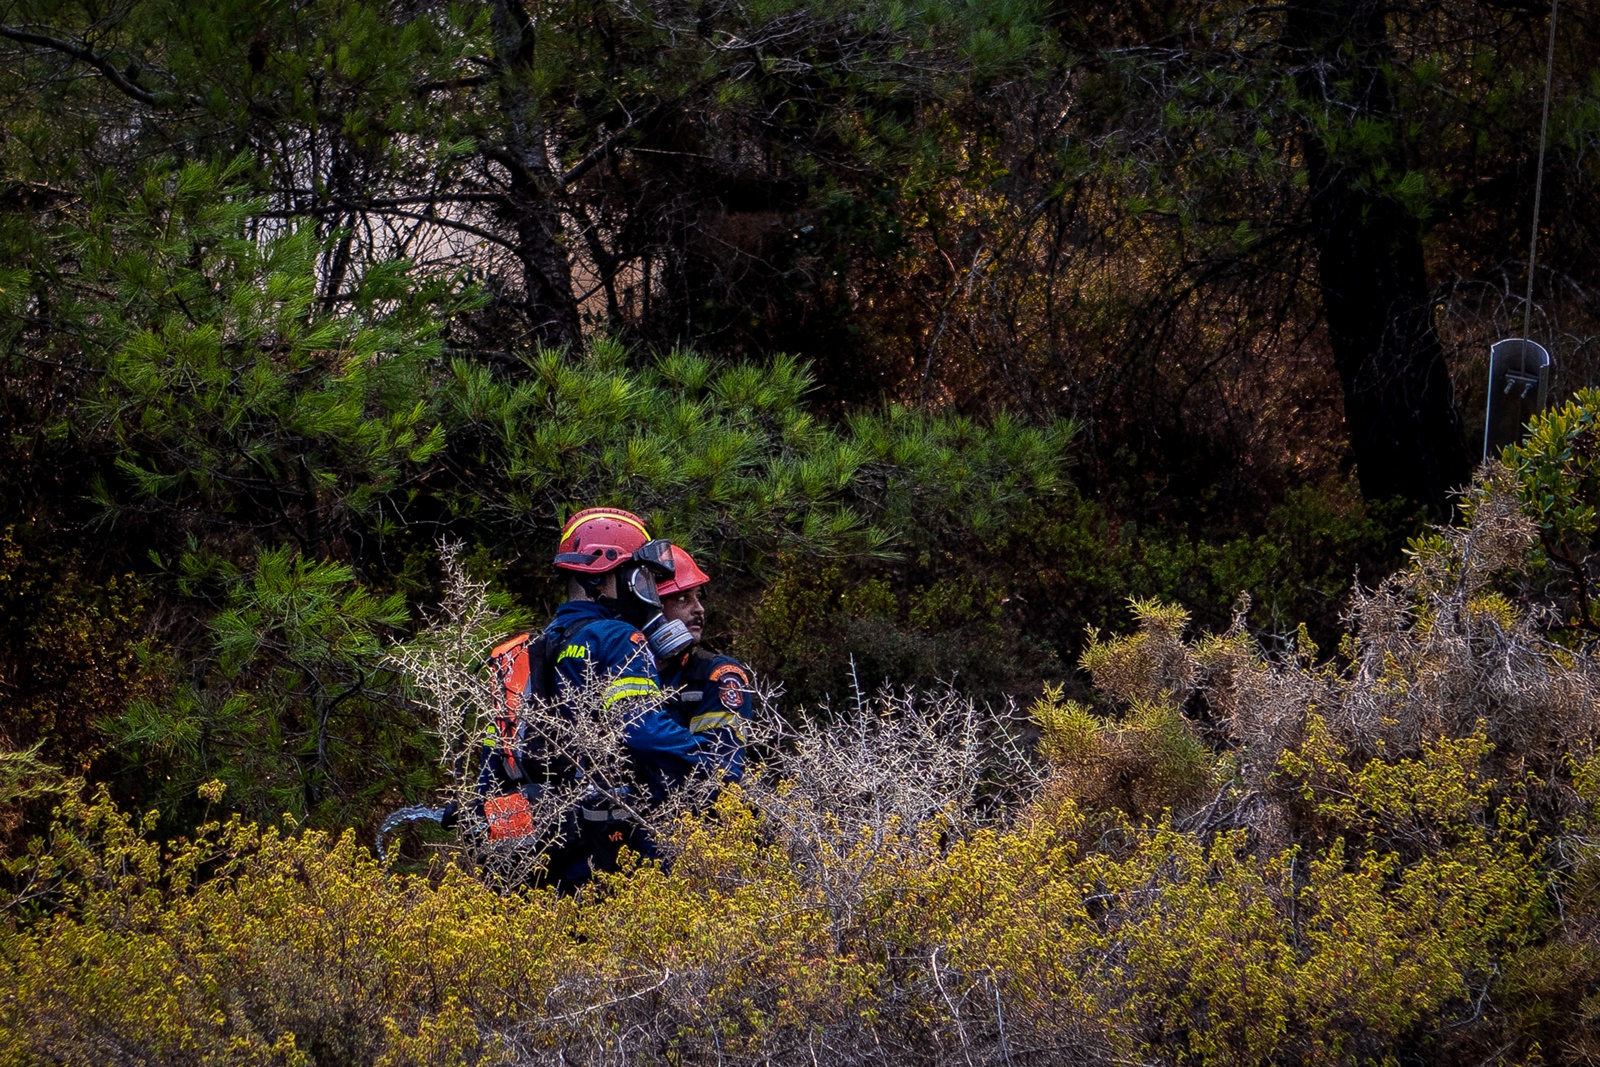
x: 942, y: 482
x: 184, y: 383
x: 225, y: 394
x: 1557, y: 472
x: 289, y: 707
x: 219, y: 387
x: 214, y: 403
x: 73, y: 645
x: 460, y: 131
x: 276, y: 468
x: 72, y: 638
x: 1002, y: 611
x: 728, y: 460
x: 823, y: 631
x: 1295, y: 561
x: 1297, y: 566
x: 1551, y: 990
x: 26, y: 780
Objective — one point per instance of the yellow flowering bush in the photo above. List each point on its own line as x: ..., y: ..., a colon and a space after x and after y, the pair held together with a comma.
x: 1150, y: 943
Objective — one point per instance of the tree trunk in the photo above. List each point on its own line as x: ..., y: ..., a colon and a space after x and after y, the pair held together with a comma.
x: 1404, y: 428
x: 549, y: 303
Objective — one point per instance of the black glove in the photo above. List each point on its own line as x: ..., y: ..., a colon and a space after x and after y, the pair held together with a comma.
x: 450, y: 815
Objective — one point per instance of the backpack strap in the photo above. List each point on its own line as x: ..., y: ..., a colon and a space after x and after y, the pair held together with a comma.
x: 539, y: 682
x: 524, y: 670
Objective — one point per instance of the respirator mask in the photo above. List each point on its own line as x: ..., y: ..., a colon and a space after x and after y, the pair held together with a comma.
x: 639, y: 602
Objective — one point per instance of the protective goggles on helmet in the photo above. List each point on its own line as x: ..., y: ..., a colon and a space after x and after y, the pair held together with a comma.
x: 657, y: 555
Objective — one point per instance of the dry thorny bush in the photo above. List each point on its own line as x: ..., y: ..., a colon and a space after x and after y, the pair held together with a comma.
x: 1441, y: 648
x: 1456, y: 643
x: 865, y: 780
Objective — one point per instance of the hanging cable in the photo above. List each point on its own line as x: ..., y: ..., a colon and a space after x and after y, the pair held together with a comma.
x: 1533, y: 252
x: 1538, y: 180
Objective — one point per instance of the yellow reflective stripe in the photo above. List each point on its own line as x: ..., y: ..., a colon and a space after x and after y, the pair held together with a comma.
x: 632, y: 683
x: 630, y: 694
x: 710, y: 720
x: 628, y: 687
x: 631, y: 679
x: 603, y: 513
x: 630, y: 690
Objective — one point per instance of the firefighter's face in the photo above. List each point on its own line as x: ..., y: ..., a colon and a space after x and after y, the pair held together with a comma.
x: 686, y: 607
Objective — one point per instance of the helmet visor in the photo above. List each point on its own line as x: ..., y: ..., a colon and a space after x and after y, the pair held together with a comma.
x: 642, y: 584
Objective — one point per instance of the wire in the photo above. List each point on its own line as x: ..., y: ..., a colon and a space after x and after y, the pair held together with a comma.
x: 1538, y: 181
x: 1533, y: 238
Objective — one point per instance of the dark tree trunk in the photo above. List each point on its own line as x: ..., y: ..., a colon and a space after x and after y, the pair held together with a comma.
x: 551, y: 310
x: 1404, y: 428
x: 532, y: 204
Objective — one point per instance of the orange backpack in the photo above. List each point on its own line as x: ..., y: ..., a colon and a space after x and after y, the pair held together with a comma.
x: 511, y: 662
x: 524, y: 669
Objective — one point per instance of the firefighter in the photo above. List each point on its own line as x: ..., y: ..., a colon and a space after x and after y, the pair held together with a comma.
x: 610, y: 631
x: 708, y: 694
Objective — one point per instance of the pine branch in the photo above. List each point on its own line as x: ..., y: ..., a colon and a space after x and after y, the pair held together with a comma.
x: 84, y: 54
x: 470, y: 82
x: 340, y: 206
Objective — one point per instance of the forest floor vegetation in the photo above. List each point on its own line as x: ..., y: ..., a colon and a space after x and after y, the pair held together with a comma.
x: 1229, y: 855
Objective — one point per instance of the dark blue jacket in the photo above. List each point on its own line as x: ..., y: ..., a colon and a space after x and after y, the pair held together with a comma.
x: 602, y: 646
x: 713, y: 701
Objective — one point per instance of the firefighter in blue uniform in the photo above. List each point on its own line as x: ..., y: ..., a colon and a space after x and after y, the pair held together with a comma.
x: 708, y: 694
x: 611, y: 629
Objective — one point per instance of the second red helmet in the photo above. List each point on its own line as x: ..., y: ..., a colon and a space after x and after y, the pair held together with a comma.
x: 685, y: 575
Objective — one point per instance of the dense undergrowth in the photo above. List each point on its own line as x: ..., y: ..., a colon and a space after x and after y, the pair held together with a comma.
x: 220, y: 499
x: 1230, y: 854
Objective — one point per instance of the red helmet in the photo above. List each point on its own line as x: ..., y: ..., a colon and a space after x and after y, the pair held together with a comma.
x: 597, y: 540
x: 685, y: 575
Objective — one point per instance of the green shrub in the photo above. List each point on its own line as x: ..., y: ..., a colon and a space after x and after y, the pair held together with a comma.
x: 291, y: 706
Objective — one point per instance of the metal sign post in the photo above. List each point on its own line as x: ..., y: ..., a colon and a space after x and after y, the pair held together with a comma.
x: 1519, y: 388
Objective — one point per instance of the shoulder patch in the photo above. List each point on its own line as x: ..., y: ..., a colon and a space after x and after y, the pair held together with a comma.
x: 724, y: 670
x: 636, y: 637
x: 732, y: 685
